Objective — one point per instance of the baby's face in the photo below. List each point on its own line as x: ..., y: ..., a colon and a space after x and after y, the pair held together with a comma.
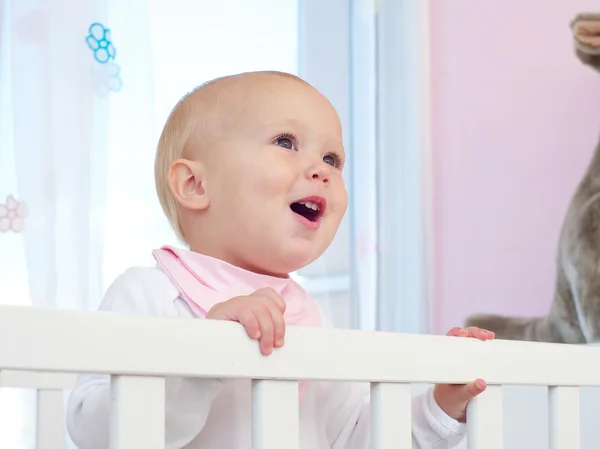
x: 275, y: 181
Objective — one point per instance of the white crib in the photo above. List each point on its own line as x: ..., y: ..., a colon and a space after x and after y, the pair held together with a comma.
x: 39, y: 346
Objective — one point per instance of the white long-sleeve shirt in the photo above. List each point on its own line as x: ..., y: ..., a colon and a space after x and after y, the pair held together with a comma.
x: 215, y: 414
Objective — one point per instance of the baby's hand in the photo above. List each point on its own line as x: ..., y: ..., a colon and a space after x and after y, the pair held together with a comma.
x: 261, y: 313
x: 453, y: 399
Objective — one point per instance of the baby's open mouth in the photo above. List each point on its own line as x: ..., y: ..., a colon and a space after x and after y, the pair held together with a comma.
x: 311, y: 210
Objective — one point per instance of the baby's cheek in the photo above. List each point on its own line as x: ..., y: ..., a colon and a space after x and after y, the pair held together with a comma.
x: 275, y: 180
x: 340, y: 200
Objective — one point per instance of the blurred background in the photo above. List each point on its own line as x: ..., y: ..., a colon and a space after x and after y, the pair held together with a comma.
x: 468, y: 126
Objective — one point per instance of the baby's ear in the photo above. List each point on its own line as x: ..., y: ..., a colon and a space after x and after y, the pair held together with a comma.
x: 187, y: 184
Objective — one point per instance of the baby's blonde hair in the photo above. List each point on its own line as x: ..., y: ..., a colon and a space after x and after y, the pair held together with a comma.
x: 195, y: 111
x: 176, y: 136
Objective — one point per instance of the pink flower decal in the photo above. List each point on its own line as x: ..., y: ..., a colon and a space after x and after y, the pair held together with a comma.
x: 12, y: 215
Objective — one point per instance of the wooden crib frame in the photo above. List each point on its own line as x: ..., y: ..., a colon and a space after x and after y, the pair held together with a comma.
x: 37, y: 345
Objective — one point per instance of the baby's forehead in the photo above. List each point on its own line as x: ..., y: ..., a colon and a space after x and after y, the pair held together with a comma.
x: 265, y: 123
x: 269, y: 103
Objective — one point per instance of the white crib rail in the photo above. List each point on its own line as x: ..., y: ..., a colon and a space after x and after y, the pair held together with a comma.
x: 49, y: 391
x: 139, y: 352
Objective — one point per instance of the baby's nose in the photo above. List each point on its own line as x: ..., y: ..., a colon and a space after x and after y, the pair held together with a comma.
x: 320, y: 174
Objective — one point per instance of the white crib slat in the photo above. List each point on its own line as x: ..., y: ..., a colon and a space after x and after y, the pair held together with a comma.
x: 391, y: 416
x: 137, y: 412
x: 563, y: 405
x: 49, y: 426
x: 275, y: 414
x: 484, y: 415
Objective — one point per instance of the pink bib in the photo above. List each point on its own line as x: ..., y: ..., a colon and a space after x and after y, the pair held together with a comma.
x: 204, y: 281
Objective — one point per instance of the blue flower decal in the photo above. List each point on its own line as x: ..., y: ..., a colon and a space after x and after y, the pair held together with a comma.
x: 107, y: 75
x: 99, y: 42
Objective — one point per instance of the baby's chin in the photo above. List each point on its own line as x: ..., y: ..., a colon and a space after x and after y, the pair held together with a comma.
x: 281, y: 263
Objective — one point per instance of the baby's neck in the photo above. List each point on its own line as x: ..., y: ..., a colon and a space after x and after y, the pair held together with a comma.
x: 237, y: 262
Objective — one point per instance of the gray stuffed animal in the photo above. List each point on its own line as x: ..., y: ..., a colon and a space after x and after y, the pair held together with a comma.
x: 574, y: 315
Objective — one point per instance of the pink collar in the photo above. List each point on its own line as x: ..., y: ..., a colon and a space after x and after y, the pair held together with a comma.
x: 204, y: 281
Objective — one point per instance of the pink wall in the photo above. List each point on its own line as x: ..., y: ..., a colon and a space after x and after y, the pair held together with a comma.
x: 515, y: 120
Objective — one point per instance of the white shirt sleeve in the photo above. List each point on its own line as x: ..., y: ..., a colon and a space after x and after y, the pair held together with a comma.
x: 432, y: 428
x: 187, y: 401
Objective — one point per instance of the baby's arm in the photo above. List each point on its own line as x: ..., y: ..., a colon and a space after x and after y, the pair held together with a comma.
x: 433, y: 426
x: 188, y: 401
x: 351, y: 422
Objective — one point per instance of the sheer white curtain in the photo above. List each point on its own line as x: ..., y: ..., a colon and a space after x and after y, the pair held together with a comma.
x: 77, y: 112
x: 66, y: 67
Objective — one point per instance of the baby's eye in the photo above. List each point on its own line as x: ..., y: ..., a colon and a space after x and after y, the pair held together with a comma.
x: 332, y: 160
x: 285, y: 142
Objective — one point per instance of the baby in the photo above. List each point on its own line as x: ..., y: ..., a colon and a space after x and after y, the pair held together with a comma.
x: 249, y: 173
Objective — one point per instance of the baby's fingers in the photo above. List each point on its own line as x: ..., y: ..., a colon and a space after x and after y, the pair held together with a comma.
x: 267, y: 334
x: 480, y: 334
x: 259, y: 326
x: 276, y: 308
x: 458, y: 332
x: 271, y: 296
x: 278, y: 327
x: 454, y: 399
x: 474, y: 389
x: 248, y: 319
x: 474, y: 332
